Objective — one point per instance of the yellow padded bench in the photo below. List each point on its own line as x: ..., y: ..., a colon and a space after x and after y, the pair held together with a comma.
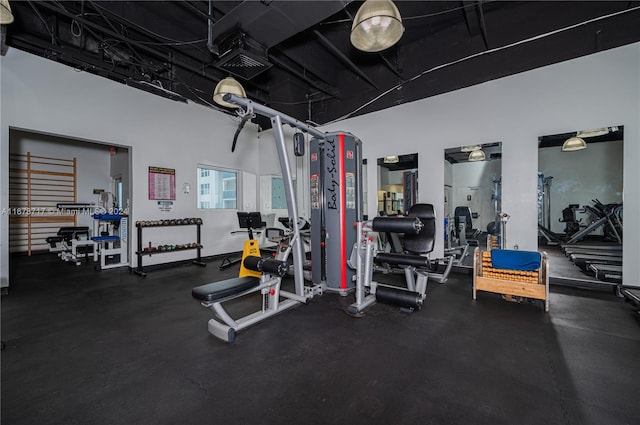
x: 523, y: 283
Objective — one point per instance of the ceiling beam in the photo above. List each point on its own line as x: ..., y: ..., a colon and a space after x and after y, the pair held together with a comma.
x: 389, y: 65
x: 483, y: 27
x: 342, y: 57
x: 470, y: 17
x: 474, y: 18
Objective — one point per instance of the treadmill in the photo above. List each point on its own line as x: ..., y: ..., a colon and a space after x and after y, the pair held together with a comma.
x: 584, y: 261
x: 603, y: 247
x: 632, y: 295
x: 607, y: 272
x: 570, y: 252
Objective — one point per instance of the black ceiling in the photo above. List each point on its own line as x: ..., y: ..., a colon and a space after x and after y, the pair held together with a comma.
x: 295, y: 56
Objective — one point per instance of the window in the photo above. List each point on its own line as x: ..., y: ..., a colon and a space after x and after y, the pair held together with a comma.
x: 217, y: 188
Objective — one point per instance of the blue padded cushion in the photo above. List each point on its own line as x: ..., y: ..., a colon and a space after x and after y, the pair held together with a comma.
x: 515, y: 260
x: 105, y: 238
x: 225, y: 288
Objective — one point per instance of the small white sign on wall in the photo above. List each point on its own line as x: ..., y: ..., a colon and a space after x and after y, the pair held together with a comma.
x: 165, y: 206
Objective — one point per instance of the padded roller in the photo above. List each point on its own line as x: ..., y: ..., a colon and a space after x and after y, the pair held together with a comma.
x: 253, y: 262
x: 399, y: 297
x: 395, y: 259
x: 396, y: 224
x: 279, y: 268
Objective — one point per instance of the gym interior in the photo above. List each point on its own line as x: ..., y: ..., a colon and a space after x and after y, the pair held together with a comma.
x: 442, y: 261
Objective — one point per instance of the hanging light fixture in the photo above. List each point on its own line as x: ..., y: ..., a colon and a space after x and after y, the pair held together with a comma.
x: 393, y: 159
x: 470, y: 148
x: 477, y: 155
x: 228, y: 85
x: 377, y: 26
x: 6, y: 17
x: 574, y: 144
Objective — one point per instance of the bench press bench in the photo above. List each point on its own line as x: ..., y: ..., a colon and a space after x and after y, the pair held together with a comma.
x: 212, y: 295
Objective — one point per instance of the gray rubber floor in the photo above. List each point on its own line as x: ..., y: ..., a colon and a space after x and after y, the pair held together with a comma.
x: 87, y: 347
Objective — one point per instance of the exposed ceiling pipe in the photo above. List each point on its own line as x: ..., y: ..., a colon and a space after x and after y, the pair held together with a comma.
x: 147, y: 32
x: 120, y: 37
x: 113, y: 28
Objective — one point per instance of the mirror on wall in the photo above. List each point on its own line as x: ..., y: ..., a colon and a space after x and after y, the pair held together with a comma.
x: 273, y: 199
x: 580, y: 202
x: 472, y: 199
x: 397, y: 184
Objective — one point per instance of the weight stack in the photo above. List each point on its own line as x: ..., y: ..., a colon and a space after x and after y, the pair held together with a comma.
x: 336, y: 205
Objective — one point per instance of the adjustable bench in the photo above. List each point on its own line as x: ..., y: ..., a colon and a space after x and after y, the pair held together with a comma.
x: 212, y: 295
x: 66, y: 234
x: 68, y: 240
x: 507, y: 272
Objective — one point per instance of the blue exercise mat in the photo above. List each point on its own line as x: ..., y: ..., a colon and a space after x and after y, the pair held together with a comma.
x: 515, y: 260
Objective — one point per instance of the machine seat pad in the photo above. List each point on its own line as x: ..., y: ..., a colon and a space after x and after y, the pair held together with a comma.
x: 225, y: 288
x: 396, y: 259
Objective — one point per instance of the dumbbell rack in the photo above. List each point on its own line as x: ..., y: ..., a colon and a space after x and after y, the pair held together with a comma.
x: 139, y: 270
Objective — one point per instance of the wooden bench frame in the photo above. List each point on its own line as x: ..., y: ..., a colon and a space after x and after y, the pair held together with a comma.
x: 539, y: 290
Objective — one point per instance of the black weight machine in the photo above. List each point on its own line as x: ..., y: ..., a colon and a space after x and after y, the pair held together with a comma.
x: 270, y: 271
x: 609, y: 217
x: 418, y: 228
x: 335, y: 187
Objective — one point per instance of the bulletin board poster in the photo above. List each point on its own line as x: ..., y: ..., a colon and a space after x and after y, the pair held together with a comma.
x: 162, y: 183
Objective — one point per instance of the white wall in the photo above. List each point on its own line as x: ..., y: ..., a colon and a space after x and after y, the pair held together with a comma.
x: 599, y: 90
x: 589, y: 92
x: 43, y: 96
x: 579, y: 177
